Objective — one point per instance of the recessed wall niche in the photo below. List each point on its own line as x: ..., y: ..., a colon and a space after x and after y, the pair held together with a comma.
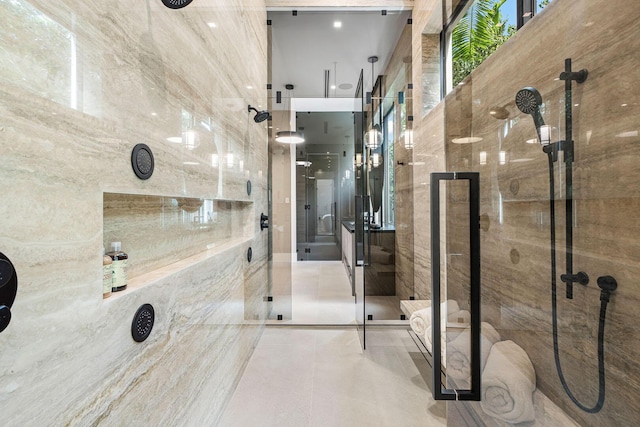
x: 157, y: 231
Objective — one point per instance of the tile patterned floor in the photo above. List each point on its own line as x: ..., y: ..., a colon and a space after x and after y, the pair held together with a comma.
x: 321, y: 377
x: 321, y: 295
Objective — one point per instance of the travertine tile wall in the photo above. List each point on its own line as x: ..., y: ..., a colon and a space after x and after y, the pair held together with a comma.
x: 601, y: 36
x: 82, y: 82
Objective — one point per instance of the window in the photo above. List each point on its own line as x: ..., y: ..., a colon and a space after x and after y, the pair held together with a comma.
x: 476, y: 29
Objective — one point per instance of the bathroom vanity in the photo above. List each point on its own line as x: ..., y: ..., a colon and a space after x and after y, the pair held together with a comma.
x: 377, y: 255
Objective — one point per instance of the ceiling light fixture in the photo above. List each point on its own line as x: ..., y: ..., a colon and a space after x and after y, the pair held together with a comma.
x: 337, y: 24
x: 373, y: 137
x: 289, y: 136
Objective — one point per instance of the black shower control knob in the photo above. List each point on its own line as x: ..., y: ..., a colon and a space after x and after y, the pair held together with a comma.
x: 6, y: 272
x: 5, y: 317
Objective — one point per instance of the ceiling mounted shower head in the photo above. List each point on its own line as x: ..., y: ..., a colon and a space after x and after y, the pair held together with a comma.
x: 260, y: 116
x: 528, y: 100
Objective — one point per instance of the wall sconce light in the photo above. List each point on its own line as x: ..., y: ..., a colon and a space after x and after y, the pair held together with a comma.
x: 408, y: 139
x: 374, y: 137
x: 502, y: 157
x: 190, y: 139
x: 375, y: 159
x: 545, y: 135
x: 483, y: 157
x: 358, y: 160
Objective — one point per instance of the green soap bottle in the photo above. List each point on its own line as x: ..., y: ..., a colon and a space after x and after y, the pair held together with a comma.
x: 120, y: 260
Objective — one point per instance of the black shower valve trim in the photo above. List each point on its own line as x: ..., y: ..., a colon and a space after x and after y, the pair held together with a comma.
x: 580, y: 277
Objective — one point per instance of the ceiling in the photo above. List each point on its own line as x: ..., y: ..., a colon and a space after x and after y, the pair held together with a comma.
x: 306, y: 45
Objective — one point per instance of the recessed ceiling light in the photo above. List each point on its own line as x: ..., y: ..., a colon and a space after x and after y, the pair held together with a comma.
x: 175, y: 139
x: 249, y: 87
x: 211, y: 24
x: 337, y: 24
x: 333, y: 86
x: 154, y: 114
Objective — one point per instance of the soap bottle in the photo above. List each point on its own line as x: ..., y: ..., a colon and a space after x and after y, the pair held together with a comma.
x: 107, y: 274
x: 120, y: 259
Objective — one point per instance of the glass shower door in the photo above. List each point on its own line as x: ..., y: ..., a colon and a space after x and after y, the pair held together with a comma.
x: 317, y: 238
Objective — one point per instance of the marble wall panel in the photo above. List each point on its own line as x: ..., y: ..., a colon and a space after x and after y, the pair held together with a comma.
x: 81, y: 84
x: 428, y: 156
x: 514, y: 197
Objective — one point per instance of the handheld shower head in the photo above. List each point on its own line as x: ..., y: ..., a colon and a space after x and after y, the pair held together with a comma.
x: 260, y: 116
x: 528, y: 100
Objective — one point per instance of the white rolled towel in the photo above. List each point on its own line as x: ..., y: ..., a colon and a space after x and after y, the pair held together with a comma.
x: 508, y: 383
x: 459, y: 351
x: 459, y: 317
x: 420, y: 320
x: 452, y: 332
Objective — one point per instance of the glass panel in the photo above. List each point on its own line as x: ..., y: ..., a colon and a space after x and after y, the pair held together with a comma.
x: 359, y: 126
x: 548, y: 213
x: 324, y: 184
x: 389, y: 279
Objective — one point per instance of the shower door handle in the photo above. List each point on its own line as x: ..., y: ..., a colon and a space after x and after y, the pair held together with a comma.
x: 439, y: 390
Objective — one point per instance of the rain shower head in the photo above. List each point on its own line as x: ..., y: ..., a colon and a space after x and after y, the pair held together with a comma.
x: 260, y: 116
x: 528, y: 100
